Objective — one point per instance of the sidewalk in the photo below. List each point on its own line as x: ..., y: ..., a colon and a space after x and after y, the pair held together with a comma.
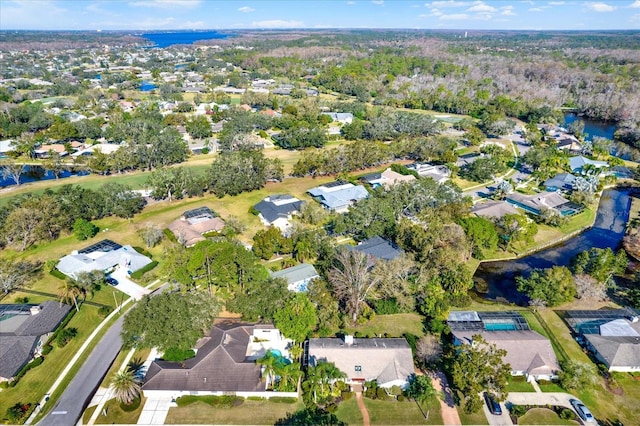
x: 448, y: 409
x: 75, y: 358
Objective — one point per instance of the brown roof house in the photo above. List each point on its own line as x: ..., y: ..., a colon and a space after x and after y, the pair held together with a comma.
x: 388, y: 361
x: 23, y: 331
x: 193, y: 224
x: 224, y: 364
x: 529, y: 353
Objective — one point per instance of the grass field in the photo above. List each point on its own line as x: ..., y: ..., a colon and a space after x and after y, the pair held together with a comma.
x: 390, y: 412
x: 543, y: 416
x: 394, y: 325
x: 519, y: 384
x: 248, y: 413
x: 477, y: 418
x: 116, y: 415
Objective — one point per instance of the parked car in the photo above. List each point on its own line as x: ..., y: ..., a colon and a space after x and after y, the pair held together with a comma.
x: 582, y: 411
x: 493, y: 406
x: 111, y: 281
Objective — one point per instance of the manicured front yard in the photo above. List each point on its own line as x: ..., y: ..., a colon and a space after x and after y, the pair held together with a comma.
x: 477, y: 418
x: 519, y: 384
x: 116, y: 415
x: 248, y: 413
x: 543, y: 416
x: 390, y: 412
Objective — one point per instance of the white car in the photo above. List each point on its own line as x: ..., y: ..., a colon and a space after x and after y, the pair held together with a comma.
x: 582, y: 411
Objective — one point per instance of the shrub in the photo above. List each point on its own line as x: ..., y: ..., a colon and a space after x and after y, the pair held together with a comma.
x: 65, y: 336
x: 253, y: 211
x: 16, y: 412
x: 131, y: 407
x: 346, y: 395
x: 566, y: 414
x: 143, y: 252
x: 331, y: 407
x: 175, y: 354
x: 518, y: 410
x: 22, y: 300
x: 402, y: 398
x: 46, y: 349
x: 58, y: 274
x: 140, y: 272
x: 104, y: 311
x: 256, y: 398
x: 83, y: 229
x: 224, y: 401
x: 382, y: 394
x: 283, y: 399
x: 167, y: 233
x: 36, y: 362
x: 387, y: 307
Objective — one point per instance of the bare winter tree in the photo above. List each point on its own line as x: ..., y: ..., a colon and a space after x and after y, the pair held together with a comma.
x: 151, y: 234
x: 428, y: 349
x: 12, y: 170
x: 352, y: 280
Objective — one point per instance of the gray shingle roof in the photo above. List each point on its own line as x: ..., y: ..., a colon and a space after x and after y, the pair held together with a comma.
x: 219, y: 365
x: 617, y: 351
x: 125, y: 256
x: 377, y: 247
x: 19, y: 339
x: 278, y: 206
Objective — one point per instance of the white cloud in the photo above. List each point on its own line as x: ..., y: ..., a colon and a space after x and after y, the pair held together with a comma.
x: 536, y: 9
x: 601, y: 7
x: 277, y: 23
x: 166, y: 4
x: 556, y: 3
x: 507, y: 11
x: 447, y: 3
x: 455, y: 17
x: 377, y: 1
x: 351, y: 3
x: 436, y: 12
x: 635, y: 4
x: 192, y: 25
x: 246, y: 9
x: 481, y: 7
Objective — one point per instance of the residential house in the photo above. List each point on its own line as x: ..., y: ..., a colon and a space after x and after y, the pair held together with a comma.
x: 277, y: 210
x: 439, y: 173
x: 579, y: 163
x: 568, y: 142
x: 105, y: 148
x: 44, y: 151
x: 378, y: 248
x: 338, y: 196
x: 297, y: 277
x: 537, y: 203
x: 340, y: 117
x: 104, y: 255
x: 387, y: 360
x: 560, y: 182
x: 387, y: 179
x: 612, y: 335
x: 24, y: 329
x: 224, y: 364
x: 5, y: 147
x: 528, y: 353
x: 193, y: 224
x: 493, y: 209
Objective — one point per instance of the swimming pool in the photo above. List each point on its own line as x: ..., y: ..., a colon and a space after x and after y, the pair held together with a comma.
x: 500, y: 326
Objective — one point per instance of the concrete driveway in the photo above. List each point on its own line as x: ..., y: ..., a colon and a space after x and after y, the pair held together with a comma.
x: 502, y: 420
x: 127, y: 286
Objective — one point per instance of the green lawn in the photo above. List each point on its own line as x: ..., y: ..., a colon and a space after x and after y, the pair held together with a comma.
x: 394, y: 325
x: 519, y: 384
x: 477, y: 418
x: 116, y: 415
x: 543, y: 416
x: 401, y: 413
x: 349, y: 413
x: 248, y: 413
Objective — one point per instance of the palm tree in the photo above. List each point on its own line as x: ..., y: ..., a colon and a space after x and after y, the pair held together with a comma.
x: 69, y: 291
x: 270, y: 362
x: 126, y: 387
x: 289, y: 374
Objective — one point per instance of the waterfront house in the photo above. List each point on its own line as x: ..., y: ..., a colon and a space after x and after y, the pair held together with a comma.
x: 560, y: 182
x: 579, y: 163
x: 537, y: 203
x: 493, y: 209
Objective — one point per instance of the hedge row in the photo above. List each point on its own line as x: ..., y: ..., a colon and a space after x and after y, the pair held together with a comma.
x: 140, y: 272
x: 56, y: 273
x: 170, y: 236
x: 224, y: 401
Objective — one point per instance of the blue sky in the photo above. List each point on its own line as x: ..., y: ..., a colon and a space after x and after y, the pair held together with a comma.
x: 220, y: 14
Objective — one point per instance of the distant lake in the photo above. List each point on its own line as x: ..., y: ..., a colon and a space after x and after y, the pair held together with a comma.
x: 592, y: 127
x: 38, y: 173
x: 189, y: 37
x: 146, y: 86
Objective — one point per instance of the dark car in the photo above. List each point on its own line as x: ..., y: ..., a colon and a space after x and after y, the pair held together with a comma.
x: 493, y: 406
x: 582, y: 411
x: 111, y: 281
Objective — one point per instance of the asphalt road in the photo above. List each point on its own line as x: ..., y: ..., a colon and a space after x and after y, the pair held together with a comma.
x: 76, y: 396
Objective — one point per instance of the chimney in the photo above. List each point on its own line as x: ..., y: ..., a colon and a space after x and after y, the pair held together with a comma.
x: 35, y: 310
x: 348, y: 340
